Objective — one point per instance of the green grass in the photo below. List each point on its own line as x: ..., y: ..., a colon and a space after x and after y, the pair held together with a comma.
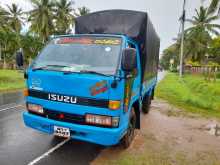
x: 191, y: 93
x: 163, y: 158
x: 142, y: 159
x: 11, y: 80
x: 145, y: 158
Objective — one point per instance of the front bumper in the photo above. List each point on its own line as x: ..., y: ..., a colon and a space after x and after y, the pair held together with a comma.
x: 102, y: 136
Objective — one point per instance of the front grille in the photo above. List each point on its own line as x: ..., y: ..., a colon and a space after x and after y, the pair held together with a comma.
x: 70, y: 118
x: 67, y: 117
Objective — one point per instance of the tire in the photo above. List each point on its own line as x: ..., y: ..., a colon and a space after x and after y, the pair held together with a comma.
x: 146, y: 104
x: 129, y: 136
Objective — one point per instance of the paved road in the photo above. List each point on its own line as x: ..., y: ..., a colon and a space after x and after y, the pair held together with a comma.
x: 20, y: 145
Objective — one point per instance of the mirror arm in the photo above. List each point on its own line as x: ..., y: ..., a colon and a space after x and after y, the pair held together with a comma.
x: 25, y: 75
x: 128, y: 75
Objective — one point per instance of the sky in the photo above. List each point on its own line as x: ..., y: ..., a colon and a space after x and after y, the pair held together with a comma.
x: 163, y: 13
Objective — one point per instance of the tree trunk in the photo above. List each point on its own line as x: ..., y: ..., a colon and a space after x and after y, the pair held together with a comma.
x: 29, y: 61
x: 4, y: 64
x: 4, y: 56
x: 0, y: 53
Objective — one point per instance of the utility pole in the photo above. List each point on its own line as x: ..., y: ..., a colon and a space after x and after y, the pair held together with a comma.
x: 182, y: 39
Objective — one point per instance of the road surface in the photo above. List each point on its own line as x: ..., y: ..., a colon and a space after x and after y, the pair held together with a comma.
x: 21, y: 145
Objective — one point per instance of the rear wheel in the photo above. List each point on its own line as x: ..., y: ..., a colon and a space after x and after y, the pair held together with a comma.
x: 146, y: 104
x: 129, y: 136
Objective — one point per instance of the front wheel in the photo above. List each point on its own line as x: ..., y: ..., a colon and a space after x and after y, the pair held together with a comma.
x: 129, y: 136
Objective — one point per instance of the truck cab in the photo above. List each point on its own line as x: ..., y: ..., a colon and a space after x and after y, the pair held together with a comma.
x: 89, y: 87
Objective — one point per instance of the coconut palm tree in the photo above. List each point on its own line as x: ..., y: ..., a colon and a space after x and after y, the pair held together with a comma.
x: 9, y: 44
x: 64, y: 16
x: 41, y: 18
x: 3, y: 23
x: 197, y: 42
x: 200, y: 34
x: 31, y: 45
x: 82, y: 11
x: 203, y: 20
x: 14, y: 15
x: 3, y: 18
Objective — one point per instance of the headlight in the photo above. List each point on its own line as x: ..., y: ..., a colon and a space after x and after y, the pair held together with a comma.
x: 35, y: 108
x: 102, y: 120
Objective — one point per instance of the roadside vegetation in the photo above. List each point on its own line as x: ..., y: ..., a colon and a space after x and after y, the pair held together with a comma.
x: 201, y: 41
x: 195, y: 92
x: 46, y: 18
x: 191, y: 93
x: 11, y: 80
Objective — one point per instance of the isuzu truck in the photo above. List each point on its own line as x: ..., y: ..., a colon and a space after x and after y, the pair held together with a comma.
x: 95, y: 84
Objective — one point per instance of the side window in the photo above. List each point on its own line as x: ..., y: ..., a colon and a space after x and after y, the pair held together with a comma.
x: 130, y: 45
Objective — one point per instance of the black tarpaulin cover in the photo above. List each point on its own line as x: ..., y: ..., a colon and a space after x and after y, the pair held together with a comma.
x: 126, y: 22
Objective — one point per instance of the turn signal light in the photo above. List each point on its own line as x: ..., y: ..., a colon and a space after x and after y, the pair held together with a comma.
x: 114, y: 105
x: 25, y: 92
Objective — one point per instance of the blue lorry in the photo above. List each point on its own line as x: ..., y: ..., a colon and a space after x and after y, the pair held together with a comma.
x: 94, y: 85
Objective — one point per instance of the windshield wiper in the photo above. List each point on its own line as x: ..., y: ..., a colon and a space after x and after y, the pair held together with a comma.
x: 39, y: 68
x: 44, y: 67
x: 69, y: 72
x: 93, y: 72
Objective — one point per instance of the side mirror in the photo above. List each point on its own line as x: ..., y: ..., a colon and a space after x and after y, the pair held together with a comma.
x: 129, y: 59
x: 19, y: 59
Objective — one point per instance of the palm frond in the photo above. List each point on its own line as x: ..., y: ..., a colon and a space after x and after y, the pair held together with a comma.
x: 213, y: 7
x: 215, y: 32
x: 191, y: 21
x: 212, y: 18
x: 213, y: 26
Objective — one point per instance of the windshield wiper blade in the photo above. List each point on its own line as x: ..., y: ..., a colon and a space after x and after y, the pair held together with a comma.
x: 44, y: 67
x: 39, y: 68
x: 69, y: 72
x: 93, y: 72
x: 58, y: 65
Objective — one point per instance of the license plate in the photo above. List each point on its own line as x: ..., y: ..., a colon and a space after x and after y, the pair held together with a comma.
x: 61, y: 132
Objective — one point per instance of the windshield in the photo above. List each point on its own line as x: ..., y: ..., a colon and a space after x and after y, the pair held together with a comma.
x: 75, y: 54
